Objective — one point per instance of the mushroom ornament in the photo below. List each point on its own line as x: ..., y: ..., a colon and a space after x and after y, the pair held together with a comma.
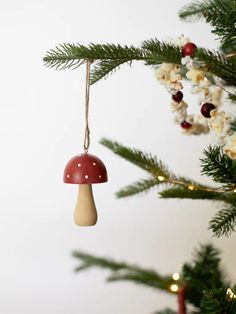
x: 85, y: 170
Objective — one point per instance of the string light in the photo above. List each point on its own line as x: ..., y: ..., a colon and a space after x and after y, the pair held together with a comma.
x: 175, y: 276
x: 174, y: 288
x: 160, y: 178
x: 230, y: 293
x: 234, y: 190
x: 191, y: 187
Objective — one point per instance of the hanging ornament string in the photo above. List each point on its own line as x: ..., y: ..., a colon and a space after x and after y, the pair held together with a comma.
x: 210, y: 117
x: 87, y: 90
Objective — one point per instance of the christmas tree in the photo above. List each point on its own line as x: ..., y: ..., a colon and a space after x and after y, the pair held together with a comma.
x: 202, y: 282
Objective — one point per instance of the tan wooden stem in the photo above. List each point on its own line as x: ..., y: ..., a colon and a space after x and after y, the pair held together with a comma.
x: 85, y: 209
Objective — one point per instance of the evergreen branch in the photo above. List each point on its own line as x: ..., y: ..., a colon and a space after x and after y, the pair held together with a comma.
x: 143, y: 277
x: 185, y: 193
x: 164, y: 52
x: 233, y: 124
x: 156, y: 168
x: 105, y: 67
x: 66, y: 55
x: 218, y: 65
x: 165, y: 311
x: 194, y: 11
x: 232, y: 97
x: 217, y: 165
x: 221, y: 15
x: 137, y: 187
x: 106, y: 59
x: 224, y: 222
x: 137, y: 157
x: 123, y: 271
x: 203, y: 274
x: 218, y: 302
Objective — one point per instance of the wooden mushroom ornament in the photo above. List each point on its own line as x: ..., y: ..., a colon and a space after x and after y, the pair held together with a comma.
x: 85, y: 170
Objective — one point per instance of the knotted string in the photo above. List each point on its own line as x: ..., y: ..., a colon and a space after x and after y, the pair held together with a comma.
x: 87, y: 89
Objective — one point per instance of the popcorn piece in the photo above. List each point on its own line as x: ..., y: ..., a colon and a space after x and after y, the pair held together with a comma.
x: 230, y: 147
x: 216, y: 93
x: 219, y: 122
x: 195, y: 75
x: 180, y: 41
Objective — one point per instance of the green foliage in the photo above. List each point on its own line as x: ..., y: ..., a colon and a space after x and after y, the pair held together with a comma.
x: 224, y: 222
x: 184, y: 193
x: 215, y: 164
x: 200, y: 276
x: 218, y: 166
x: 221, y: 15
x: 165, y: 311
x: 143, y: 160
x: 124, y: 272
x: 107, y: 58
x: 217, y: 64
x: 232, y: 98
x: 217, y: 302
x: 138, y: 187
x: 203, y: 274
x: 164, y: 52
x: 233, y: 124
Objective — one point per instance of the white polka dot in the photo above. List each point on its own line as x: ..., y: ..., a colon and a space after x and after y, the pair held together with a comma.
x: 86, y: 176
x: 68, y: 176
x: 99, y: 176
x: 94, y: 163
x: 79, y: 165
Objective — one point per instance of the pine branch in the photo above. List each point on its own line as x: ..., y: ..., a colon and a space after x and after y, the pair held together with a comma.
x: 194, y: 11
x: 221, y: 15
x: 232, y: 97
x: 165, y: 311
x: 203, y: 274
x: 164, y: 52
x: 146, y: 278
x: 124, y: 272
x: 138, y: 187
x: 137, y: 157
x: 218, y: 302
x: 153, y: 166
x: 224, y: 222
x: 218, y: 166
x: 108, y: 58
x: 185, y: 193
x: 218, y: 65
x: 233, y: 124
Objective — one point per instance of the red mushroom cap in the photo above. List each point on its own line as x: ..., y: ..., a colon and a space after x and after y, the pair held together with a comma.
x: 85, y: 169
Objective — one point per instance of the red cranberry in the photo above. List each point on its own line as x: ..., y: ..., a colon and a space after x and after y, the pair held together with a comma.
x: 186, y: 125
x: 206, y: 109
x: 178, y: 96
x: 189, y: 49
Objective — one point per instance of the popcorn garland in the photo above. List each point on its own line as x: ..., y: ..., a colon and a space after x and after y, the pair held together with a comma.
x: 209, y: 98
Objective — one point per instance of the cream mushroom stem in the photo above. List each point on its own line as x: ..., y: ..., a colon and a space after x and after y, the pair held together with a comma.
x: 85, y: 209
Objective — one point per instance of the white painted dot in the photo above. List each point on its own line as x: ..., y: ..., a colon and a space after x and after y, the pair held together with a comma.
x: 99, y: 176
x: 94, y: 163
x: 86, y: 176
x: 79, y: 165
x: 68, y: 176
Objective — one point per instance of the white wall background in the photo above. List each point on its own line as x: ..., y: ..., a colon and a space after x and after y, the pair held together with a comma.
x: 41, y: 127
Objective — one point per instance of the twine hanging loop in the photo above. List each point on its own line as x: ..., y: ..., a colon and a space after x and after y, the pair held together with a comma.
x: 87, y: 90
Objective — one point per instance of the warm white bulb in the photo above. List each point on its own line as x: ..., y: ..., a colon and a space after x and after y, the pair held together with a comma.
x: 191, y: 187
x: 176, y: 276
x: 174, y: 288
x: 160, y: 178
